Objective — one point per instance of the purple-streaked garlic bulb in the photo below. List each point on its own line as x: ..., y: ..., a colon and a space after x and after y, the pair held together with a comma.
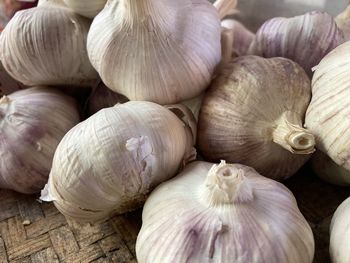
x: 253, y: 114
x: 32, y: 123
x: 223, y: 213
x: 328, y: 112
x: 109, y: 163
x: 242, y: 37
x: 102, y: 97
x: 46, y: 45
x: 163, y: 51
x: 305, y: 39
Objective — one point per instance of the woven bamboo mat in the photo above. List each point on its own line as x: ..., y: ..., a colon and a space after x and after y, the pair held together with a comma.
x: 38, y: 233
x: 34, y: 232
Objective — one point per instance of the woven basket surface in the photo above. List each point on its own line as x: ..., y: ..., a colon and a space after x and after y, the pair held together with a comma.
x: 36, y: 232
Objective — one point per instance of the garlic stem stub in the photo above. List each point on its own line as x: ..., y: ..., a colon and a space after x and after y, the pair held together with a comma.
x: 253, y: 114
x: 340, y: 234
x: 87, y: 8
x: 162, y: 51
x: 110, y: 162
x: 46, y: 45
x: 327, y: 114
x: 223, y: 213
x: 32, y: 123
x: 305, y: 39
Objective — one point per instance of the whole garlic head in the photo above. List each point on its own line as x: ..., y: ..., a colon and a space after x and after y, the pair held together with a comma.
x: 46, y: 45
x: 32, y: 123
x: 305, y: 39
x: 110, y: 162
x: 340, y: 234
x: 327, y: 114
x: 223, y: 213
x: 163, y: 51
x: 87, y: 8
x: 253, y: 114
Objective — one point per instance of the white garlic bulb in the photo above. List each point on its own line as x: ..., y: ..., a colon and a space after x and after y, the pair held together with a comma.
x: 163, y: 51
x: 328, y: 170
x: 223, y: 213
x: 87, y: 8
x: 326, y: 116
x: 253, y: 114
x: 242, y: 37
x: 32, y: 121
x: 46, y: 45
x: 343, y: 22
x: 340, y: 234
x: 305, y: 39
x: 110, y: 162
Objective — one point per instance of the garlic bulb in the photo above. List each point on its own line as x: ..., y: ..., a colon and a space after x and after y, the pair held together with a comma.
x: 340, y: 234
x: 328, y: 170
x: 163, y: 51
x: 343, y: 22
x: 241, y: 35
x: 327, y: 114
x: 102, y: 97
x: 110, y: 162
x: 46, y: 45
x: 305, y: 39
x: 88, y: 8
x: 32, y: 121
x: 253, y: 114
x: 223, y: 213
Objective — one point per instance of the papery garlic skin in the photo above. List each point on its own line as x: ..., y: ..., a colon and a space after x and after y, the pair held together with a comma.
x: 305, y: 39
x: 223, y: 213
x: 110, y: 162
x: 327, y: 114
x: 329, y: 171
x: 343, y: 22
x: 46, y: 45
x: 242, y: 37
x: 32, y: 123
x: 253, y: 114
x: 340, y: 234
x: 194, y: 104
x: 160, y: 51
x: 87, y: 8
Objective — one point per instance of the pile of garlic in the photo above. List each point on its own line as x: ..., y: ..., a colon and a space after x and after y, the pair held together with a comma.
x: 165, y: 77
